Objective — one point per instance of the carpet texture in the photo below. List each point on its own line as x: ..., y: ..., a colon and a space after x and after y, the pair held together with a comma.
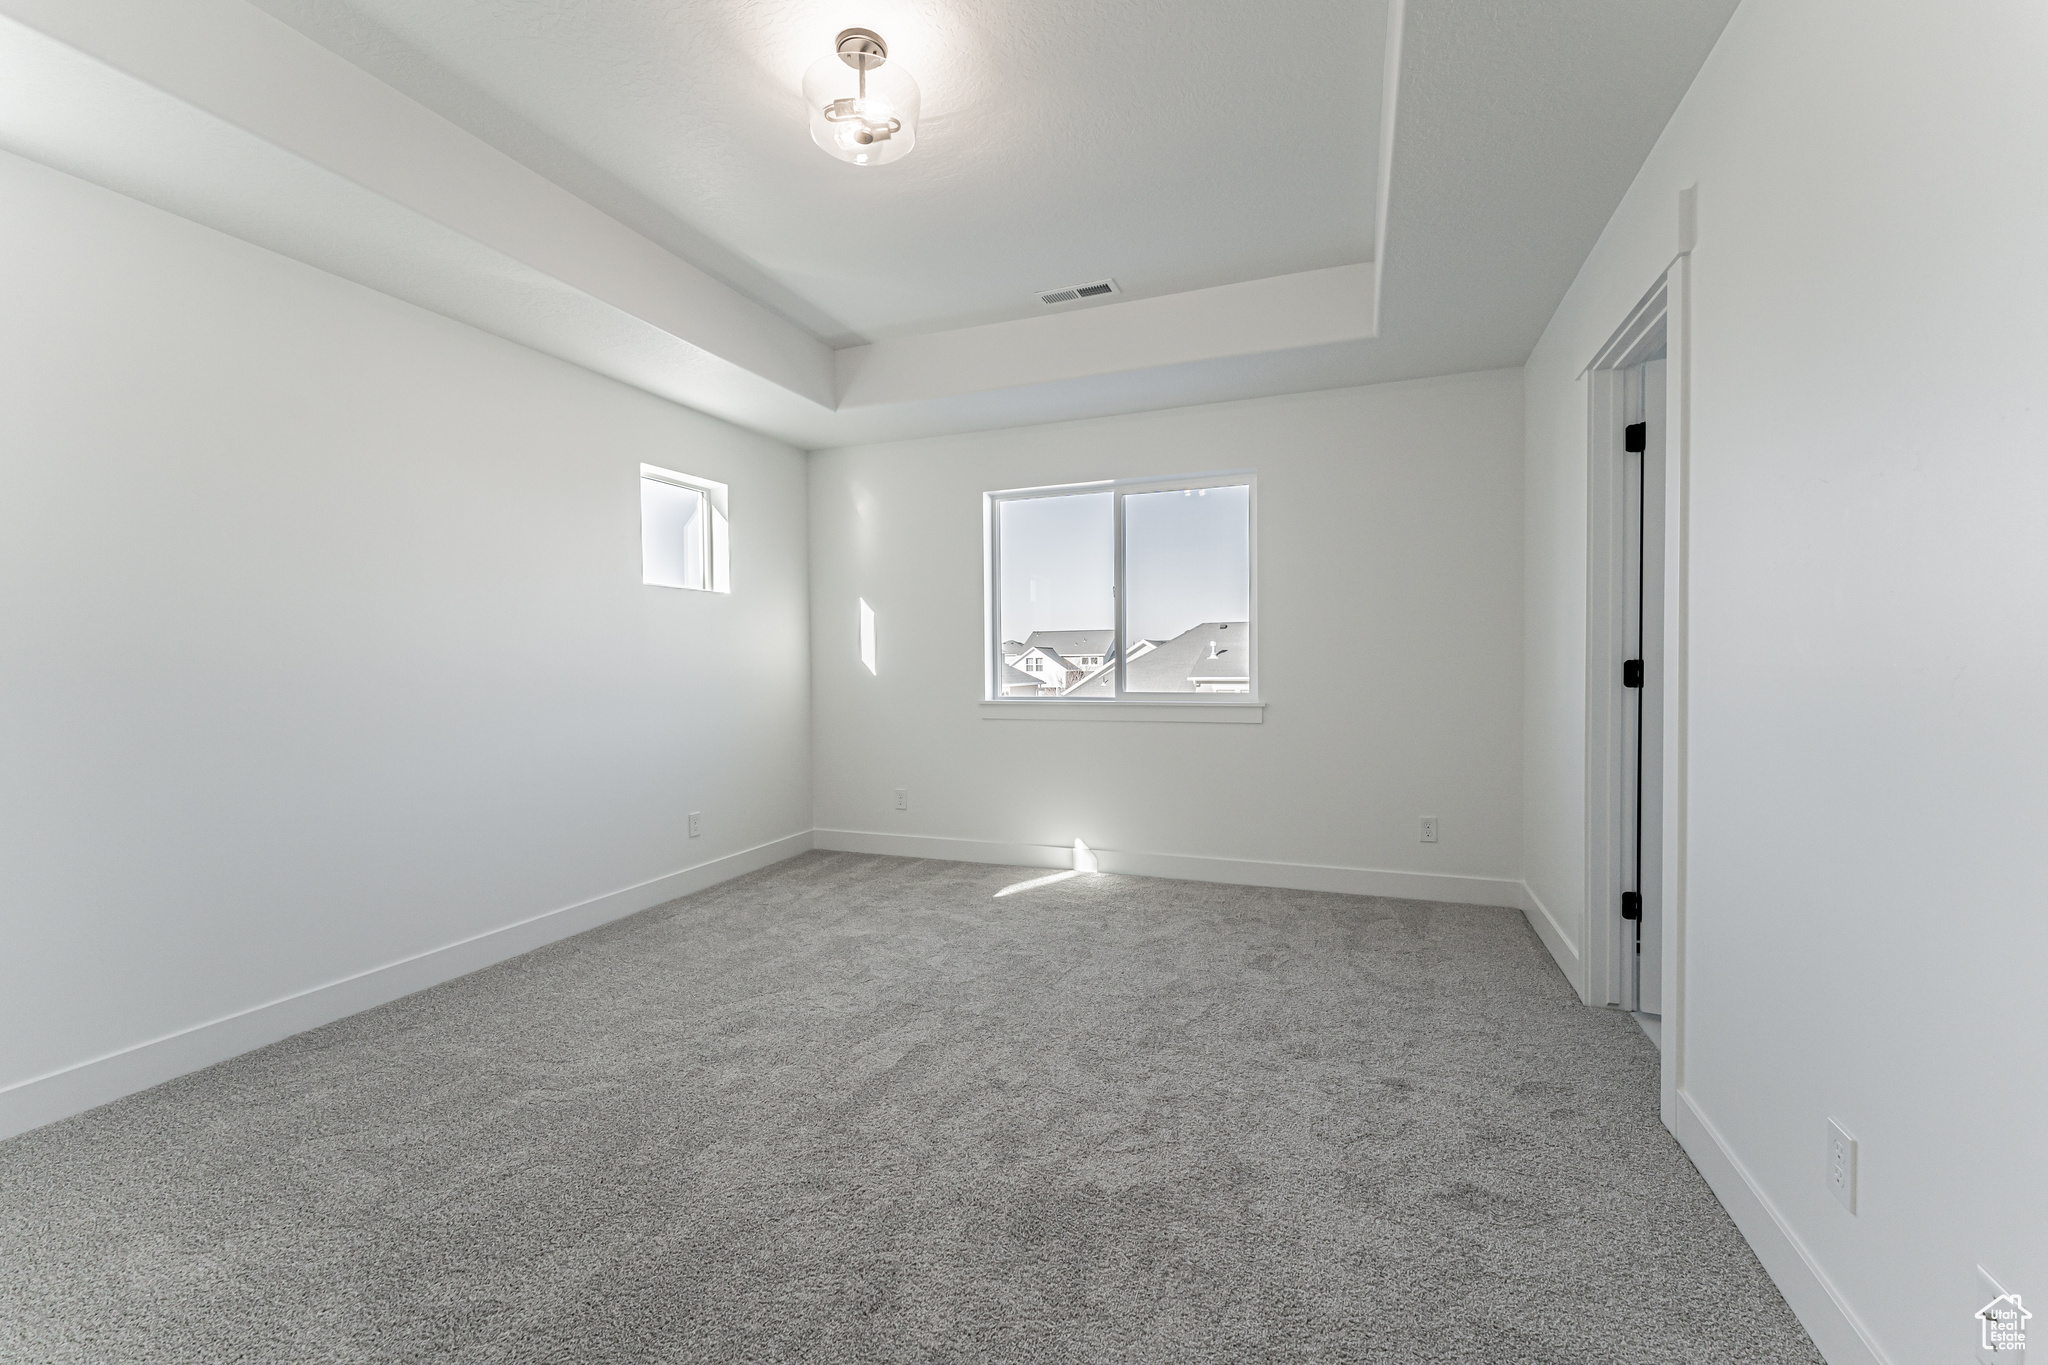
x: 861, y: 1109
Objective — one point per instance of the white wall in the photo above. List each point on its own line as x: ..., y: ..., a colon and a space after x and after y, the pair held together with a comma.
x: 325, y: 646
x: 1389, y: 615
x: 1868, y: 642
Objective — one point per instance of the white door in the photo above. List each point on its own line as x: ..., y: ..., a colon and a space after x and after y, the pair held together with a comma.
x: 1640, y: 674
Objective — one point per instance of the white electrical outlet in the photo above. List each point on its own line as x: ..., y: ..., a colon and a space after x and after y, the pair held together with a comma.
x: 1993, y: 1336
x: 1842, y: 1165
x: 1429, y: 829
x: 696, y: 823
x: 902, y: 798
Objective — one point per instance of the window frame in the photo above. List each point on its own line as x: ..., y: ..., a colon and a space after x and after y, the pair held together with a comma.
x: 717, y: 529
x: 1119, y: 489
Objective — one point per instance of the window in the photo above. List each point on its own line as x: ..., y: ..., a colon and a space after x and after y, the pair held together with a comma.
x: 683, y: 535
x: 1126, y: 590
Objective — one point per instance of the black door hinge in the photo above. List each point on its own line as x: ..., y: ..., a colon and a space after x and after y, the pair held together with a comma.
x: 1632, y: 673
x: 1635, y: 437
x: 1631, y: 905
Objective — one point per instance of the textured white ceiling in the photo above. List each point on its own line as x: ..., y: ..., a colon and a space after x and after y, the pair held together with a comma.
x: 1516, y: 127
x: 1519, y: 125
x: 1172, y: 144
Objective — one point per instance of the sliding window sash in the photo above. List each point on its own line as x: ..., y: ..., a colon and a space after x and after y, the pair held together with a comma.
x: 1120, y: 488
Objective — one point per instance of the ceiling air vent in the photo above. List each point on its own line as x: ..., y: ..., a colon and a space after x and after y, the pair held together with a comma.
x: 1092, y: 290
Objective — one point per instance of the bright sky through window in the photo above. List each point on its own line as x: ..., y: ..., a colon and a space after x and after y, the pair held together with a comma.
x: 1059, y: 564
x: 1187, y: 559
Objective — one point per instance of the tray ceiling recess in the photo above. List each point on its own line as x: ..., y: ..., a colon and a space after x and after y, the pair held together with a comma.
x: 520, y: 168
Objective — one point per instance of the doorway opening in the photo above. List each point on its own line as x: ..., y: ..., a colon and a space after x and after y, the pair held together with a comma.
x: 1626, y: 668
x: 1640, y: 706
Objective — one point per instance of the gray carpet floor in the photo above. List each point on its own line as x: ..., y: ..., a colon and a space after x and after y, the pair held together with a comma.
x: 861, y: 1109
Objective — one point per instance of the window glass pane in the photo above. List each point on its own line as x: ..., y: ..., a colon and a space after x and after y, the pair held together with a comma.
x: 1057, y: 612
x: 1188, y: 580
x: 672, y: 526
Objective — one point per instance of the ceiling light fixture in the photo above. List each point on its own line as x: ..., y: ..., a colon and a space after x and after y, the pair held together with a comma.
x: 861, y: 110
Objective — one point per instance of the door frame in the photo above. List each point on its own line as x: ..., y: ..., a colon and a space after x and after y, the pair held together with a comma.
x: 1664, y: 306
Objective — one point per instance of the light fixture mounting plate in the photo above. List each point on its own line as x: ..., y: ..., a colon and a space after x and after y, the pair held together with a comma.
x: 862, y: 48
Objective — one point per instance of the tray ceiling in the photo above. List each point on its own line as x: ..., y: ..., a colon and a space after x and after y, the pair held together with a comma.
x: 628, y: 185
x: 1173, y: 146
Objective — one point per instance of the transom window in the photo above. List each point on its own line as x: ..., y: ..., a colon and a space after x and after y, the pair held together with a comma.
x: 683, y: 532
x: 1126, y: 590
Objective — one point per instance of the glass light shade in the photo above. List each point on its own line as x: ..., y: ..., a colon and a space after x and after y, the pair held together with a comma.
x: 867, y: 132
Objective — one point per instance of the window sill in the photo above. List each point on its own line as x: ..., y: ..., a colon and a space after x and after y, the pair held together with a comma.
x: 1208, y: 712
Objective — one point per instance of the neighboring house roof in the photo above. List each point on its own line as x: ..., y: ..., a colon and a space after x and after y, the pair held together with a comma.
x: 1100, y: 681
x: 1173, y: 665
x: 1012, y: 649
x: 1072, y: 642
x: 1015, y: 676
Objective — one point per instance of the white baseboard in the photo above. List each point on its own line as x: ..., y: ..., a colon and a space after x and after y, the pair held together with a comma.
x: 1836, y: 1330
x: 74, y: 1089
x: 1561, y: 944
x: 1358, y: 881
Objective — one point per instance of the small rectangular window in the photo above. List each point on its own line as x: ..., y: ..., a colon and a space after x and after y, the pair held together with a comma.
x: 684, y: 540
x: 1138, y: 589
